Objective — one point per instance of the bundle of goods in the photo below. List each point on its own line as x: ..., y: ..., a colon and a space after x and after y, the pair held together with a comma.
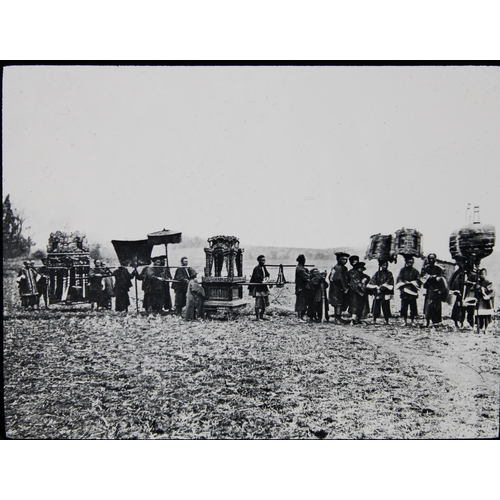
x: 475, y: 241
x: 380, y: 247
x: 407, y: 242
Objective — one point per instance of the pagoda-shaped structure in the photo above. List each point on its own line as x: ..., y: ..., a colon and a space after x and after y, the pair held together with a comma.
x: 223, y: 274
x: 67, y: 266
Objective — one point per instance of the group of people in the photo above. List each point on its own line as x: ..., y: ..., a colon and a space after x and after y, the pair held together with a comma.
x: 33, y: 285
x: 474, y: 297
x: 104, y: 283
x: 349, y: 291
x: 346, y: 292
x: 156, y: 279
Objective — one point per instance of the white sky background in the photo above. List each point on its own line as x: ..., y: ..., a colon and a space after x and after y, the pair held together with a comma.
x: 289, y: 156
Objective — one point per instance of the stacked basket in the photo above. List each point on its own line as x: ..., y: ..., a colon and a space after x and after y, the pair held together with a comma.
x: 475, y: 242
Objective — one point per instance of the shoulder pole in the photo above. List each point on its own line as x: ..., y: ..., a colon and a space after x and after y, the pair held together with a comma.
x: 136, y: 293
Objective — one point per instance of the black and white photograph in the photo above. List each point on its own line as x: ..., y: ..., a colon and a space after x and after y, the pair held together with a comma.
x: 251, y: 252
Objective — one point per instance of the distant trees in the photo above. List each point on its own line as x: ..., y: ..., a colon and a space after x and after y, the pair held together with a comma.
x: 193, y: 242
x: 15, y: 244
x: 95, y: 251
x: 39, y: 254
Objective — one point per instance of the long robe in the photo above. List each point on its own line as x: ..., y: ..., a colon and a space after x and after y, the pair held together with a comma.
x: 358, y: 297
x: 462, y: 283
x: 317, y: 292
x: 28, y: 288
x: 301, y: 288
x: 382, y: 285
x: 339, y: 287
x: 154, y: 289
x: 409, y: 285
x: 123, y: 283
x: 260, y: 292
x: 195, y: 298
x: 485, y: 302
x: 43, y: 284
x: 436, y: 292
x: 108, y: 290
x: 95, y: 285
x: 182, y: 275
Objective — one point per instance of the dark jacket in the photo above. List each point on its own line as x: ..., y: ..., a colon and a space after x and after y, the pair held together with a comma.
x: 258, y: 275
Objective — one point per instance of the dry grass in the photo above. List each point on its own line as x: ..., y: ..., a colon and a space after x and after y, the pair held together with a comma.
x: 81, y: 375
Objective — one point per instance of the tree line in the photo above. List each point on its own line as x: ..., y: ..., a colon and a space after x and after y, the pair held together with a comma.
x: 15, y: 244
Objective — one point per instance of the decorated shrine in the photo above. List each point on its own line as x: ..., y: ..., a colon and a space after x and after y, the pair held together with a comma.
x: 67, y: 266
x: 223, y: 274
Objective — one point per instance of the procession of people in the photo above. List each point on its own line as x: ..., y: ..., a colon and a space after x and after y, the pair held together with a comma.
x: 345, y: 293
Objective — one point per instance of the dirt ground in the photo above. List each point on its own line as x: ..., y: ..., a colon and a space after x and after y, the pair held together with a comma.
x: 74, y: 374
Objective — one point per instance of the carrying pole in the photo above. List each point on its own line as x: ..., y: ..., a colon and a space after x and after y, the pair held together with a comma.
x: 136, y: 293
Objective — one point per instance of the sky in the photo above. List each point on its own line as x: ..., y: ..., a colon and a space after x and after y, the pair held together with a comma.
x: 295, y: 156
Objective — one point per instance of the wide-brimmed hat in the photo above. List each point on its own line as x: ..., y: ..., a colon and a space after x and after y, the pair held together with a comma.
x: 158, y: 257
x: 339, y: 255
x: 359, y: 265
x: 353, y: 258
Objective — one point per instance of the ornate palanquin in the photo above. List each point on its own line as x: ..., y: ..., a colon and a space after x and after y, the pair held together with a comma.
x: 223, y: 289
x: 67, y: 267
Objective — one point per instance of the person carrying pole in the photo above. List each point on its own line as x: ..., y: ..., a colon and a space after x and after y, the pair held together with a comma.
x: 260, y: 292
x: 123, y: 283
x: 302, y: 288
x: 182, y: 276
x: 382, y: 287
x: 408, y: 283
x: 339, y: 286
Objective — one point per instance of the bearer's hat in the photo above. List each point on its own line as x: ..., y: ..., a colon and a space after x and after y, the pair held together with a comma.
x: 339, y: 255
x: 353, y: 257
x: 158, y: 257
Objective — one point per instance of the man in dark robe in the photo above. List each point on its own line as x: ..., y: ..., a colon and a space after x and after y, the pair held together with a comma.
x: 353, y: 260
x: 317, y: 293
x: 408, y: 283
x: 260, y: 274
x: 43, y: 284
x: 195, y: 299
x: 182, y: 276
x: 339, y: 286
x: 485, y: 294
x: 107, y: 291
x: 462, y: 286
x: 153, y: 278
x: 28, y: 285
x: 382, y: 287
x: 95, y: 285
x: 123, y: 283
x: 436, y: 289
x: 302, y: 277
x: 358, y: 297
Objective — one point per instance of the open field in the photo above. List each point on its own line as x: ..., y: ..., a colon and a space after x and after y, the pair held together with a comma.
x: 72, y: 374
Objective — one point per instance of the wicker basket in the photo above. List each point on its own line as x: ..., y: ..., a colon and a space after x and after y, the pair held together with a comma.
x: 476, y: 240
x: 407, y: 242
x: 380, y: 247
